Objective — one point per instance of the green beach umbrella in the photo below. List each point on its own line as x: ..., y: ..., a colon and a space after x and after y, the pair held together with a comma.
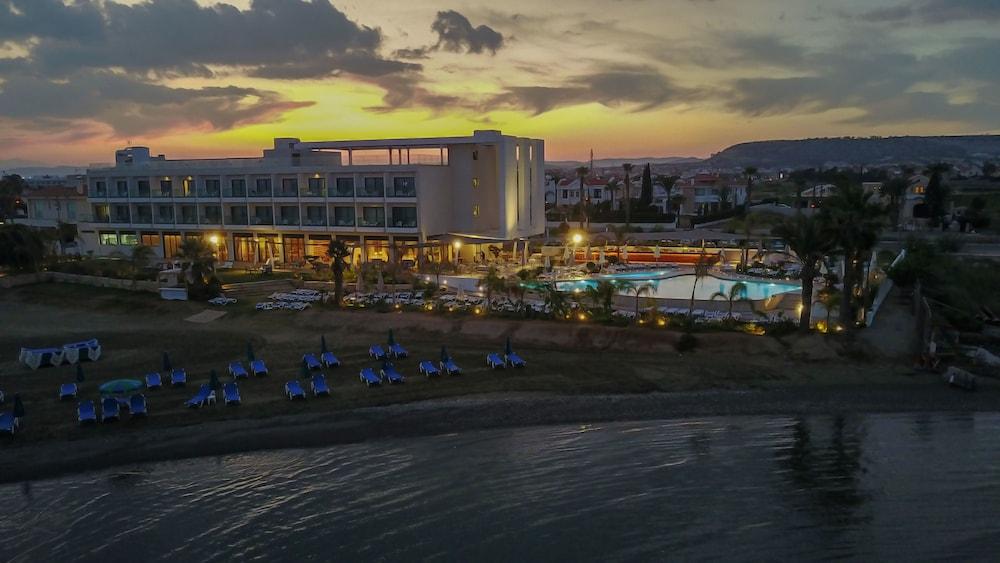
x: 507, y: 349
x: 213, y: 381
x: 166, y: 362
x: 391, y: 339
x: 250, y: 355
x: 18, y: 406
x: 79, y: 374
x: 444, y: 354
x: 322, y: 344
x: 120, y: 386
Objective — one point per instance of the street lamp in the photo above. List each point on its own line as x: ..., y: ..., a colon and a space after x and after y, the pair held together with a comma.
x: 458, y: 246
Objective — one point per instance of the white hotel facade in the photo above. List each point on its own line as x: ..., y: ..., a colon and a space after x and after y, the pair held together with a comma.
x: 389, y: 199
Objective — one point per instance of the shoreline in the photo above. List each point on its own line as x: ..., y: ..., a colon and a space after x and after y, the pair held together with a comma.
x: 464, y: 414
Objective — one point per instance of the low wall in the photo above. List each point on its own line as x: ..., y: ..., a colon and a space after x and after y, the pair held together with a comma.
x: 95, y: 281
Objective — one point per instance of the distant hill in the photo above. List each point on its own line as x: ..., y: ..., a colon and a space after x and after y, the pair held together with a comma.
x: 614, y: 162
x: 856, y: 151
x: 28, y: 168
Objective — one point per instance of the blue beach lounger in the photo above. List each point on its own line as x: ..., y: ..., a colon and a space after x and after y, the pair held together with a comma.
x: 8, y: 423
x: 294, y: 390
x: 515, y: 361
x: 369, y: 377
x: 429, y: 369
x: 153, y: 381
x: 449, y: 367
x: 391, y: 375
x: 494, y: 361
x: 200, y: 398
x: 110, y: 410
x: 311, y: 362
x: 137, y: 405
x: 67, y: 391
x: 329, y: 360
x: 397, y: 351
x: 231, y: 393
x: 258, y: 368
x: 319, y: 386
x: 86, y: 412
x: 237, y: 370
x: 178, y: 377
x: 376, y: 352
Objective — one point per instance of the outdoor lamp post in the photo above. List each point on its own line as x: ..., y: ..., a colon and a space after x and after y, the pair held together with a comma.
x: 457, y: 245
x: 577, y: 239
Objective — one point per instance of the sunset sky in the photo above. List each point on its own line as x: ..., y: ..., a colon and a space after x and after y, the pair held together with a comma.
x: 625, y: 78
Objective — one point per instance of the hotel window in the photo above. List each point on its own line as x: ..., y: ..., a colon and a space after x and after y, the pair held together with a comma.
x: 343, y: 187
x: 166, y: 188
x: 143, y: 188
x: 475, y: 182
x: 405, y: 186
x: 212, y: 188
x: 374, y: 187
x: 317, y: 246
x: 238, y: 187
x: 122, y: 188
x: 187, y: 187
x: 128, y: 239
x: 151, y: 240
x: 475, y: 155
x: 100, y: 189
x: 404, y: 217
x: 475, y: 211
x: 919, y: 189
x: 109, y: 239
x: 289, y: 187
x: 343, y: 216
x: 316, y: 187
x: 372, y: 217
x: 597, y: 193
x: 565, y: 194
x: 263, y: 188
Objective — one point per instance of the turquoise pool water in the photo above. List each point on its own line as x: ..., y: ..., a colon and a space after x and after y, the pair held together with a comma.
x: 679, y: 287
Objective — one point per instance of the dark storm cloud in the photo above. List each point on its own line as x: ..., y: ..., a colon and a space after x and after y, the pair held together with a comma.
x: 456, y: 34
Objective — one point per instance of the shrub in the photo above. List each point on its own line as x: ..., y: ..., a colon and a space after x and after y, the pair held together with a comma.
x: 686, y: 342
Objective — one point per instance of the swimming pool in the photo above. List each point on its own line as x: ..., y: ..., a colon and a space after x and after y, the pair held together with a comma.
x: 679, y: 287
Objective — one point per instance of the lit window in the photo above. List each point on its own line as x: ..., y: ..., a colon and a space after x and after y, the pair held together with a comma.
x: 109, y: 239
x: 475, y: 182
x: 475, y: 211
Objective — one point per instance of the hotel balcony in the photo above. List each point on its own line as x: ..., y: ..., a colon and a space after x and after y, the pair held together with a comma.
x: 314, y: 217
x: 142, y: 214
x: 288, y: 216
x: 262, y: 216
x: 316, y: 187
x: 289, y: 188
x: 237, y: 215
x: 188, y: 215
x: 210, y: 215
x: 140, y: 190
x: 235, y: 188
x: 343, y: 187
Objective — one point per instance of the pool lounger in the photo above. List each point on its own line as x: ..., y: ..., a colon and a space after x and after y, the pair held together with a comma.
x: 311, y: 362
x: 397, y: 351
x: 319, y: 386
x: 369, y: 377
x: 258, y: 368
x: 110, y: 410
x: 237, y: 370
x: 67, y: 391
x: 293, y: 389
x: 376, y: 352
x: 200, y: 398
x: 178, y: 378
x: 494, y: 361
x: 429, y: 369
x: 86, y: 412
x: 515, y: 361
x: 8, y: 423
x: 137, y: 405
x: 231, y: 393
x: 391, y: 375
x: 153, y: 380
x: 329, y: 360
x: 450, y: 367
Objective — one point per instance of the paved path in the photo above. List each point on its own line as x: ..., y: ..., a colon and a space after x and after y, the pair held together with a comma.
x: 893, y: 332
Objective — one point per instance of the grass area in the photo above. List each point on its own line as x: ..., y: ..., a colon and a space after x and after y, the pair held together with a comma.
x: 134, y: 330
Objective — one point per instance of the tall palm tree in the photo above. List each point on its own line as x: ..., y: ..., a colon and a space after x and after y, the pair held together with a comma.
x: 141, y: 255
x: 338, y: 251
x: 668, y: 182
x: 750, y: 172
x: 856, y: 220
x: 895, y: 189
x: 491, y: 284
x: 736, y: 293
x: 621, y: 238
x: 810, y: 238
x: 701, y: 267
x: 602, y: 294
x: 612, y: 187
x: 581, y: 174
x: 627, y: 167
x: 556, y: 300
x: 638, y: 290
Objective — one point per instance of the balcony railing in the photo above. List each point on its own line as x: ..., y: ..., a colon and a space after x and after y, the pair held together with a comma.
x: 314, y: 221
x: 405, y: 224
x: 164, y: 219
x: 371, y: 192
x: 237, y: 220
x: 263, y: 220
x: 313, y: 192
x: 145, y: 218
x: 371, y: 222
x: 343, y: 222
x: 121, y: 218
x: 102, y: 219
x: 288, y: 221
x: 209, y: 193
x: 208, y: 220
x: 341, y: 191
x: 188, y: 220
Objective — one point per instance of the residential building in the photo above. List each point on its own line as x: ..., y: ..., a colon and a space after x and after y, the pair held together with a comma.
x: 388, y: 199
x: 47, y: 207
x: 704, y: 193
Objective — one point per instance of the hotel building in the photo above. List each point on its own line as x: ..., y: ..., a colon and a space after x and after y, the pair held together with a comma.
x: 383, y: 197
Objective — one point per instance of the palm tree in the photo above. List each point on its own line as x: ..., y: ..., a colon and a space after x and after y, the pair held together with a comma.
x: 139, y: 259
x: 200, y: 270
x: 613, y: 186
x: 895, y: 189
x: 668, y: 182
x: 809, y: 237
x: 581, y: 174
x: 555, y: 300
x: 627, y: 167
x: 21, y: 247
x: 750, y: 172
x: 736, y: 293
x: 620, y: 238
x: 492, y: 283
x: 745, y: 245
x: 637, y: 289
x: 337, y: 251
x: 700, y: 271
x: 856, y: 220
x: 602, y: 294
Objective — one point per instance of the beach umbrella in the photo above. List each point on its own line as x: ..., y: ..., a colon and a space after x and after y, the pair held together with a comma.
x: 566, y: 254
x: 656, y: 253
x: 120, y: 386
x: 625, y: 253
x: 391, y: 339
x: 166, y: 362
x: 213, y: 381
x: 600, y: 257
x: 527, y: 254
x: 507, y: 349
x: 79, y: 374
x: 548, y: 264
x: 444, y: 354
x: 322, y: 344
x: 380, y: 284
x: 250, y: 356
x: 18, y: 406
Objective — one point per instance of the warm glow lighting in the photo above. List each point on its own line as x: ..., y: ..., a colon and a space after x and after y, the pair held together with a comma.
x: 582, y: 317
x: 661, y: 322
x: 214, y: 239
x: 577, y: 238
x: 457, y: 244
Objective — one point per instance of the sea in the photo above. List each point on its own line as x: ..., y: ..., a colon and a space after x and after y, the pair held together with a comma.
x: 912, y: 487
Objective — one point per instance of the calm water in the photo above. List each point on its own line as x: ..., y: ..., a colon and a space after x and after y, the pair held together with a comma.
x: 920, y: 487
x: 679, y: 287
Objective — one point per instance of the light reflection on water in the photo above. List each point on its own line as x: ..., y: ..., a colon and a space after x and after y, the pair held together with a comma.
x: 863, y: 487
x: 679, y: 287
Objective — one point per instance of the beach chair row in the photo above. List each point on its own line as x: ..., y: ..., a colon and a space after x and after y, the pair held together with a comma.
x: 69, y: 353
